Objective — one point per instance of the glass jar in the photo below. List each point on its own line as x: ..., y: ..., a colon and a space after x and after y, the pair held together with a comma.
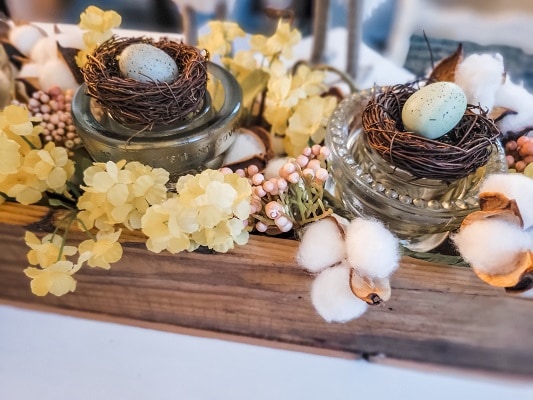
x: 181, y: 148
x: 419, y: 211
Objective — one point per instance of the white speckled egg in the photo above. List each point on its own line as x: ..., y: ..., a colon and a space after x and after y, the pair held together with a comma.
x: 434, y: 110
x: 147, y: 63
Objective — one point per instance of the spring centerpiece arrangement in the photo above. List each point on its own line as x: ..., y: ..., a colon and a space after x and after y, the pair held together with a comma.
x: 198, y: 147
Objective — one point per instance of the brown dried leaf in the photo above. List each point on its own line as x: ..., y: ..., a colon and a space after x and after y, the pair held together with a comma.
x: 445, y: 69
x: 371, y: 290
x: 68, y: 54
x: 261, y: 159
x: 518, y: 269
x: 499, y: 113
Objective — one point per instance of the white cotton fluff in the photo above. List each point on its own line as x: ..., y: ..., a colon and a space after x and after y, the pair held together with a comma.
x: 332, y: 297
x: 516, y: 98
x: 43, y: 50
x: 371, y: 248
x: 56, y: 72
x: 273, y: 166
x: 24, y: 37
x: 321, y: 246
x: 513, y: 186
x: 480, y: 76
x: 489, y: 245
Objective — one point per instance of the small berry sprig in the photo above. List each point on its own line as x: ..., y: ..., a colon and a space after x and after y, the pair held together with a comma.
x: 294, y: 197
x: 519, y: 153
x: 53, y: 108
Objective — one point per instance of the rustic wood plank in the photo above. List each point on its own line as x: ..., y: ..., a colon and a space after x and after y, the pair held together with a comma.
x: 437, y: 314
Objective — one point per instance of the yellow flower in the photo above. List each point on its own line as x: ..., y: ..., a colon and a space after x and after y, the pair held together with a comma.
x: 98, y: 20
x: 309, y: 122
x: 167, y: 226
x: 10, y: 159
x: 120, y: 193
x: 280, y: 43
x: 51, y: 165
x: 56, y: 278
x: 211, y: 209
x: 23, y: 186
x: 105, y: 250
x: 15, y: 122
x: 219, y: 39
x: 45, y: 252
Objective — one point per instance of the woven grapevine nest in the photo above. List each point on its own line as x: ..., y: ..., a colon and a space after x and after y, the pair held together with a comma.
x: 147, y: 104
x: 453, y: 156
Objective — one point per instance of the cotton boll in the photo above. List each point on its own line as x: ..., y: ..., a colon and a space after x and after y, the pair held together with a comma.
x: 273, y: 166
x: 24, y: 37
x: 516, y: 98
x: 321, y: 246
x: 29, y: 70
x: 44, y: 50
x: 490, y: 245
x: 480, y: 76
x: 56, y: 73
x: 513, y: 186
x: 332, y: 297
x: 371, y: 248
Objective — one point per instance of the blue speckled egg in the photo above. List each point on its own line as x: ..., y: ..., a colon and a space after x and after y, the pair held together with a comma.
x: 434, y: 110
x: 147, y: 63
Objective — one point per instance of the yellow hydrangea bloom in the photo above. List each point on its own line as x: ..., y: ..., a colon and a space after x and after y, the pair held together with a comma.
x: 218, y: 40
x: 56, y: 278
x: 280, y: 43
x: 45, y: 251
x: 23, y: 186
x: 10, y: 158
x: 15, y: 121
x: 105, y: 250
x: 98, y: 20
x: 120, y: 193
x: 211, y: 209
x: 51, y: 165
x: 309, y: 122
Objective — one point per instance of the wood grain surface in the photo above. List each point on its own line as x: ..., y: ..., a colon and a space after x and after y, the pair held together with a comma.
x: 437, y: 314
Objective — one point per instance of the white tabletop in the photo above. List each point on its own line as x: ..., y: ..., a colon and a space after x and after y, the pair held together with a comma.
x: 48, y: 356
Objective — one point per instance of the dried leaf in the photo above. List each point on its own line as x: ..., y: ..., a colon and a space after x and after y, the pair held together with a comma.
x: 499, y: 113
x: 68, y: 54
x: 519, y: 268
x: 444, y: 71
x: 262, y: 157
x: 371, y: 290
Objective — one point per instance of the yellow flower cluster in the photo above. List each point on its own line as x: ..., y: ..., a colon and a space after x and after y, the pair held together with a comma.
x: 26, y: 169
x: 294, y: 105
x: 55, y: 272
x: 211, y: 209
x: 98, y: 25
x: 120, y: 193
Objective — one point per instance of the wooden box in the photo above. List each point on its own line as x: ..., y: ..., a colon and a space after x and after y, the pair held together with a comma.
x: 438, y: 314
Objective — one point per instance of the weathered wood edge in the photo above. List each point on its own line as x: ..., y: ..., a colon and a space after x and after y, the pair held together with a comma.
x: 438, y: 314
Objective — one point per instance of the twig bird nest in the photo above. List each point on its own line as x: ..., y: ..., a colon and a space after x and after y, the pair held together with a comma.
x: 147, y: 103
x: 453, y: 156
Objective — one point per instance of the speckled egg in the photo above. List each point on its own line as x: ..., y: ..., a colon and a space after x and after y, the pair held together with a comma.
x: 434, y: 110
x: 146, y: 63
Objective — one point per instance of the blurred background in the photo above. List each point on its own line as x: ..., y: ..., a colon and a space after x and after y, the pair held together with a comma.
x: 394, y: 28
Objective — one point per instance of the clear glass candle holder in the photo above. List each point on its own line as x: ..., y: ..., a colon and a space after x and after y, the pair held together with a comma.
x: 184, y: 147
x: 419, y: 211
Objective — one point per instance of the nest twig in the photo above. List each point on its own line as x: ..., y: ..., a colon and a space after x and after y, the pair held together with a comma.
x: 147, y: 104
x: 453, y: 156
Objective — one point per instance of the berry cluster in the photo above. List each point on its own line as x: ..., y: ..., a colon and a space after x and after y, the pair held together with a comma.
x: 53, y: 108
x: 294, y: 197
x: 519, y: 153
